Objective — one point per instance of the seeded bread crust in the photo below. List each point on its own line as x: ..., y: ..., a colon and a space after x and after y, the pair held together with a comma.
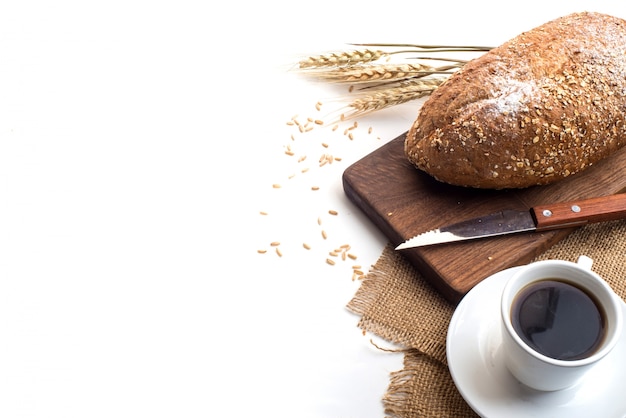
x: 543, y: 106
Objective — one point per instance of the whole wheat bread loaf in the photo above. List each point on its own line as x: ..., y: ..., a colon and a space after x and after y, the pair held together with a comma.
x: 541, y: 107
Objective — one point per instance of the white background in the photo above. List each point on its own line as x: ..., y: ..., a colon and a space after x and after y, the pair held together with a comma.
x: 139, y: 142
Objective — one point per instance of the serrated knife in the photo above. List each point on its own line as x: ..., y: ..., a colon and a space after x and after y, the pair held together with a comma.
x: 536, y: 219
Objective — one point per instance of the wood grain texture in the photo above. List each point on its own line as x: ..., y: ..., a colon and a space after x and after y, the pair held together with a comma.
x: 403, y: 202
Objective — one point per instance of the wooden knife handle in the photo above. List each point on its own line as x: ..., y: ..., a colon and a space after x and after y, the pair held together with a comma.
x: 581, y: 212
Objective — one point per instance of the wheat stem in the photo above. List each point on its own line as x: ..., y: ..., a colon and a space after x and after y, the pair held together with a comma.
x: 460, y: 62
x: 431, y: 48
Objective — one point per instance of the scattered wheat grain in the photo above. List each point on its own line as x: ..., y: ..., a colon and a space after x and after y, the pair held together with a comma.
x: 278, y: 252
x: 326, y: 159
x: 324, y: 235
x: 276, y: 186
x: 306, y: 246
x: 261, y: 251
x: 333, y: 212
x: 331, y: 262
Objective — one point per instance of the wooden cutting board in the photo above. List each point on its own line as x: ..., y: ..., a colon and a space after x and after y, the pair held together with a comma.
x: 403, y: 201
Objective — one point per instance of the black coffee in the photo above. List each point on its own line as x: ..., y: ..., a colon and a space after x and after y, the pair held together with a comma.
x: 558, y: 319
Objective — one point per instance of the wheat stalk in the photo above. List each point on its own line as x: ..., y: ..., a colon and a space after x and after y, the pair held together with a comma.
x: 379, y: 73
x: 384, y: 98
x: 361, y: 56
x: 342, y: 58
x: 388, y: 84
x: 429, y: 48
x: 371, y: 73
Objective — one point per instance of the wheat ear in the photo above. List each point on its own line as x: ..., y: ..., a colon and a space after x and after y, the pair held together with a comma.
x: 371, y: 73
x: 342, y: 58
x: 382, y: 99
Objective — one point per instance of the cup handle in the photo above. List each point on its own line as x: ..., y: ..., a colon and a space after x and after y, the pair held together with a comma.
x: 585, y: 262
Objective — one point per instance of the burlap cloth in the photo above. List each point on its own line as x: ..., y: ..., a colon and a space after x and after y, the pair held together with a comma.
x: 395, y: 303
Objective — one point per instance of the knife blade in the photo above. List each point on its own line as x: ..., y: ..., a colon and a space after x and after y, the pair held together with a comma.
x: 536, y: 219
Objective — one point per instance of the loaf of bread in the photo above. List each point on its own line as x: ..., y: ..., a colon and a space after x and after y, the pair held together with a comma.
x: 541, y: 107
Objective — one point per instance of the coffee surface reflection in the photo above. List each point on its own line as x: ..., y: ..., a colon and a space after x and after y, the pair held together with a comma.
x: 558, y: 320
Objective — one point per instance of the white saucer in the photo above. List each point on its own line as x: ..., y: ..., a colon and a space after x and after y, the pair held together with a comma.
x: 477, y: 367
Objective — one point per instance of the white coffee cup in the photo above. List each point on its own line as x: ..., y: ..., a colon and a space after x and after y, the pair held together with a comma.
x: 540, y: 371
